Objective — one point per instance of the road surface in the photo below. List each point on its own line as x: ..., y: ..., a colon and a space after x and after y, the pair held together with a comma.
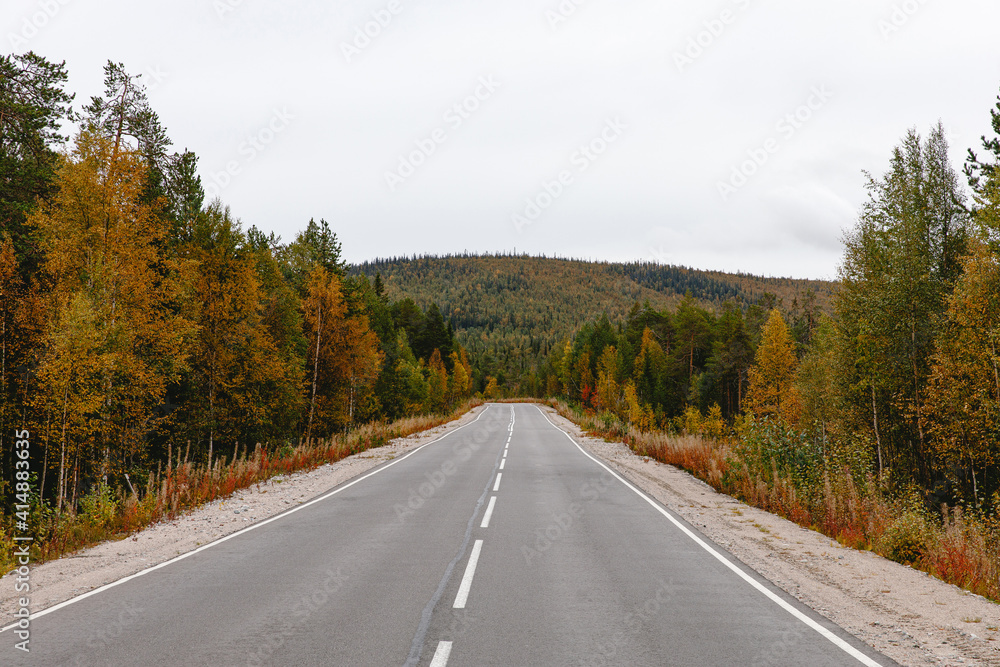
x: 502, y: 543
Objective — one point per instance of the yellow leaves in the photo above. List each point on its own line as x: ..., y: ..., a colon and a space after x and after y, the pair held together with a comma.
x: 97, y: 231
x: 638, y: 415
x: 608, y: 391
x: 460, y: 383
x: 650, y: 355
x: 112, y: 336
x: 491, y: 390
x: 344, y: 355
x: 772, y: 390
x: 964, y: 387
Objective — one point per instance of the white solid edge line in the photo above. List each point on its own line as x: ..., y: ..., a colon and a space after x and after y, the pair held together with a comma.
x: 489, y: 513
x: 496, y: 486
x: 255, y: 526
x: 470, y: 572
x: 837, y: 641
x: 441, y: 655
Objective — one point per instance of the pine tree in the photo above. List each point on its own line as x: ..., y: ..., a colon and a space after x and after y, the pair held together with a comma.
x: 32, y: 106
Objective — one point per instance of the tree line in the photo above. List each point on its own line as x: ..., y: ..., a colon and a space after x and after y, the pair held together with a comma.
x: 511, y: 311
x: 137, y: 319
x: 904, y: 372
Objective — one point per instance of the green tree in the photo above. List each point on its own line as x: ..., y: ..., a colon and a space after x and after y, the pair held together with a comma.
x: 124, y: 116
x: 316, y: 245
x: 33, y: 104
x: 816, y: 380
x: 984, y: 175
x: 900, y: 263
x: 693, y: 334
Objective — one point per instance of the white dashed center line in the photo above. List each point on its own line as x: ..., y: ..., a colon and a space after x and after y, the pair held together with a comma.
x: 470, y: 572
x: 496, y: 487
x: 440, y: 658
x: 489, y: 513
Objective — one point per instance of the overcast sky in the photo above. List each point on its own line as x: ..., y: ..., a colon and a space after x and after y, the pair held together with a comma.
x: 728, y: 134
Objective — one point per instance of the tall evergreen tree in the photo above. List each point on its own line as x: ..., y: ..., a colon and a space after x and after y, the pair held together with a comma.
x: 33, y: 104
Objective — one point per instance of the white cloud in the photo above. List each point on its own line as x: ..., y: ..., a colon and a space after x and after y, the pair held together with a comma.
x: 654, y: 191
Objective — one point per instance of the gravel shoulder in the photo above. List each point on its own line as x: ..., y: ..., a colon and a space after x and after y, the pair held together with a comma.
x: 59, y: 580
x: 906, y: 614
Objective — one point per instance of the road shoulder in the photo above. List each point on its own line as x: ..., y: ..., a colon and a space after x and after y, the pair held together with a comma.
x: 62, y: 579
x: 903, y: 613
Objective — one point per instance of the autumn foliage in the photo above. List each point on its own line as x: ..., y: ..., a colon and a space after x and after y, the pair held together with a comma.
x: 138, y: 321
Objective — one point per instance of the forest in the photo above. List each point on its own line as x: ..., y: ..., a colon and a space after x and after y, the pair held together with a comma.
x: 510, y: 311
x: 903, y: 370
x: 139, y: 321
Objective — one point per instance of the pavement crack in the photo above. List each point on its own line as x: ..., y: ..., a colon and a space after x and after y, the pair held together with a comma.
x: 417, y: 646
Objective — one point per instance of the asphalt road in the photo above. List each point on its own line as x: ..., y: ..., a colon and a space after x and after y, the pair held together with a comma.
x: 502, y: 543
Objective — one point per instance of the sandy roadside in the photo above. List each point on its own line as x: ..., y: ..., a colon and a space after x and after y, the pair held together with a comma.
x: 59, y: 580
x: 909, y: 616
x: 906, y: 614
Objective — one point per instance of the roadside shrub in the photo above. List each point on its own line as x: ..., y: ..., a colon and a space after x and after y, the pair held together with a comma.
x: 99, y: 506
x: 906, y: 539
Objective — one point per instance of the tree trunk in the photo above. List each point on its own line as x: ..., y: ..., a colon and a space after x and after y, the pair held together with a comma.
x: 76, y: 475
x: 878, y: 438
x: 975, y: 487
x: 996, y: 371
x: 211, y: 418
x: 62, y: 456
x: 312, y: 402
x: 916, y: 387
x: 45, y: 458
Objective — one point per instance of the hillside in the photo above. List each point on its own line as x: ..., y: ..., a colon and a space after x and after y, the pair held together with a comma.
x: 509, y: 311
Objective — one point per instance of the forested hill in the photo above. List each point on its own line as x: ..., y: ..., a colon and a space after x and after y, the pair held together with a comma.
x: 509, y: 310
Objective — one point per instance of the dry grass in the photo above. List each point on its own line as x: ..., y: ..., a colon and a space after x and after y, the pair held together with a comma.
x: 188, y: 485
x: 955, y: 548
